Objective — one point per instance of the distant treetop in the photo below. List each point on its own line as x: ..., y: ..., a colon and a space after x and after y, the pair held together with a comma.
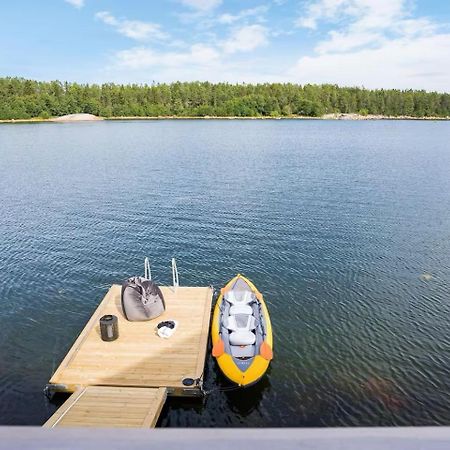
x: 25, y: 99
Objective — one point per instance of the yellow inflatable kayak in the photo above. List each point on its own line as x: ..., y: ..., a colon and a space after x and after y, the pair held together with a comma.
x: 241, y: 332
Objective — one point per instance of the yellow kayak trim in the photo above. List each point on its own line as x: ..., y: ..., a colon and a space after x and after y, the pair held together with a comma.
x: 260, y: 364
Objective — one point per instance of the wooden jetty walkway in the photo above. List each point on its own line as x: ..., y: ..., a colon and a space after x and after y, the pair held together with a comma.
x: 124, y: 383
x: 104, y: 406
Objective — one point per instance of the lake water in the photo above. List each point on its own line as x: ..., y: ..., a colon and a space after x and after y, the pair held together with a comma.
x: 344, y: 226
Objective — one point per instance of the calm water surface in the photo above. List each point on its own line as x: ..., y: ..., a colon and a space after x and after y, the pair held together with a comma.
x: 344, y: 226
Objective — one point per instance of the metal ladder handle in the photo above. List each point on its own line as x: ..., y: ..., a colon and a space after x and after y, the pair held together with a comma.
x: 175, y: 279
x: 147, y: 270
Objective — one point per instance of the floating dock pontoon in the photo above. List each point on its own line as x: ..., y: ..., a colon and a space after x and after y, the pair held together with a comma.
x: 127, y: 380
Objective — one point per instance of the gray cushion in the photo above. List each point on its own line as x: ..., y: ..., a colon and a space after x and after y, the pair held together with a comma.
x: 241, y: 309
x: 239, y: 351
x: 241, y: 322
x: 242, y: 338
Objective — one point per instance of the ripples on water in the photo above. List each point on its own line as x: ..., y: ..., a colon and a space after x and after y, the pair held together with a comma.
x: 344, y: 226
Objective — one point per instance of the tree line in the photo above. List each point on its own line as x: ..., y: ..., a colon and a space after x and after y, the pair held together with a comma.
x: 24, y: 99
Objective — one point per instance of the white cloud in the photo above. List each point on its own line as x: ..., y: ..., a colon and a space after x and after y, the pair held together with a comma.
x: 257, y: 12
x: 343, y: 42
x: 76, y: 3
x: 371, y: 13
x: 419, y: 63
x: 143, y: 57
x: 246, y: 38
x: 107, y: 18
x: 360, y: 23
x: 375, y: 44
x: 209, y: 59
x: 197, y: 62
x: 133, y: 29
x: 202, y: 5
x: 372, y: 43
x: 200, y: 62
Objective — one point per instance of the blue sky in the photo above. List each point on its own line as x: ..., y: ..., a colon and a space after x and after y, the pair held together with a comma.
x: 371, y: 43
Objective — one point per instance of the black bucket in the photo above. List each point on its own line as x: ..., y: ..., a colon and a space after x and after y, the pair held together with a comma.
x: 109, y: 328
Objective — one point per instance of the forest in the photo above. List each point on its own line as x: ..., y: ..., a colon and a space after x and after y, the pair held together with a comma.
x: 24, y: 99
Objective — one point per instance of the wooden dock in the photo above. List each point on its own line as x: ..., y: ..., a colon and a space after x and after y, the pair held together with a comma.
x: 103, y: 406
x: 138, y: 360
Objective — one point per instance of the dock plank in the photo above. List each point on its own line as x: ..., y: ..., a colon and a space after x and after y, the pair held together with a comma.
x: 100, y: 406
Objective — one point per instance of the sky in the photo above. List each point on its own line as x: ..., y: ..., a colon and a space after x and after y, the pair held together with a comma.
x: 371, y: 43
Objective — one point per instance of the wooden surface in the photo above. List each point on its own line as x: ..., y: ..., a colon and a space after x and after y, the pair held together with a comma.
x: 139, y: 357
x: 100, y: 406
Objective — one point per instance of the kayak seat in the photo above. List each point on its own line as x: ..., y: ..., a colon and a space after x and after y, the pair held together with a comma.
x: 241, y: 309
x: 241, y: 322
x: 239, y: 298
x: 242, y: 338
x: 242, y: 351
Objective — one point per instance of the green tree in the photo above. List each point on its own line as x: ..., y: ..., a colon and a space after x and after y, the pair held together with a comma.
x: 22, y: 99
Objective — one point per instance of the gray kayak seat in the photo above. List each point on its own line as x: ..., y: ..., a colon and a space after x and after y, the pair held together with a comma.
x: 241, y: 323
x: 239, y: 351
x: 141, y: 299
x: 241, y: 309
x: 239, y: 297
x: 242, y: 338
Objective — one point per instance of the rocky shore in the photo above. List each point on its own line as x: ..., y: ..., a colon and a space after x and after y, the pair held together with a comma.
x: 334, y: 116
x: 76, y: 118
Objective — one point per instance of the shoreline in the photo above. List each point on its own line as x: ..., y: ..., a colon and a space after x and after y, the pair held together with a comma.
x: 334, y: 116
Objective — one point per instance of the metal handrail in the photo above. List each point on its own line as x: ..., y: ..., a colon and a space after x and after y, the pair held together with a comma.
x: 147, y: 270
x: 175, y: 279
